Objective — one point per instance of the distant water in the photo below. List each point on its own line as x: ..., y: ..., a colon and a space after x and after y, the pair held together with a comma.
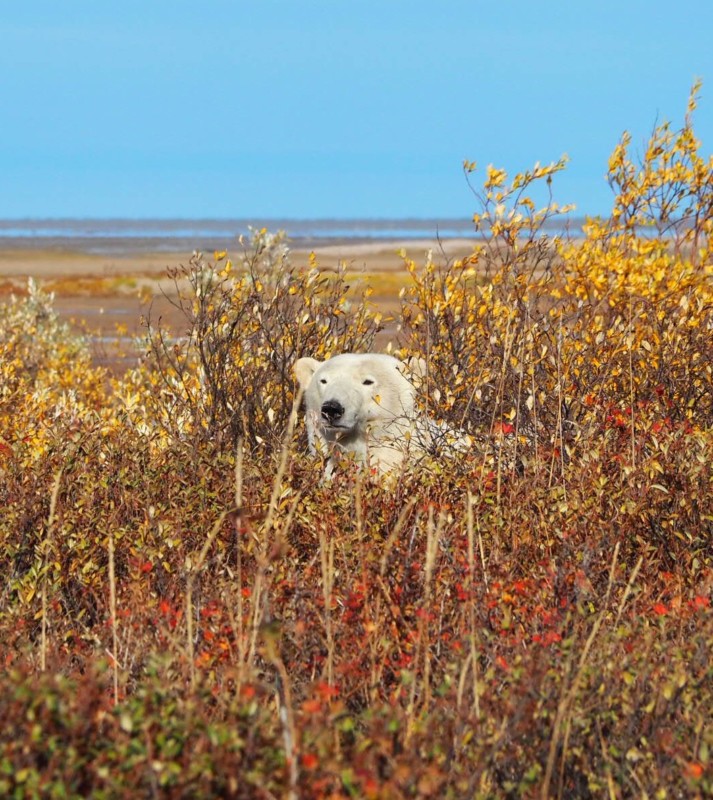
x: 126, y: 236
x: 104, y: 236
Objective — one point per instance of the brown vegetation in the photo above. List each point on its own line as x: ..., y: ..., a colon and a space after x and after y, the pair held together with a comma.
x: 189, y: 612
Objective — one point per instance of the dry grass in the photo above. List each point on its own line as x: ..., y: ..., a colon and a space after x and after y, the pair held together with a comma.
x: 190, y: 611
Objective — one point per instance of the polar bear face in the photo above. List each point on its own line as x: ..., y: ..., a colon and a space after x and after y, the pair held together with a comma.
x: 356, y: 401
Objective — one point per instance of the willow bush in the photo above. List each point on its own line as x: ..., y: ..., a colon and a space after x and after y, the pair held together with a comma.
x: 190, y: 610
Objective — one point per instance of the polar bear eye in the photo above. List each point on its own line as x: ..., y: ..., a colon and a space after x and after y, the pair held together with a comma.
x: 322, y: 380
x: 368, y: 382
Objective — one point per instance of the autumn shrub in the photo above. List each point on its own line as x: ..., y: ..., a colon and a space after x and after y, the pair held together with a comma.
x: 41, y: 358
x: 547, y: 337
x: 228, y: 372
x: 189, y: 610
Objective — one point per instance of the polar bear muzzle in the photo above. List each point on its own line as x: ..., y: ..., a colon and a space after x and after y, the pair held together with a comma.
x: 332, y: 411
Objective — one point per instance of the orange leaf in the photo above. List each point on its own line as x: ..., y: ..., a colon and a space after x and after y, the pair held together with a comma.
x: 312, y: 706
x: 693, y: 770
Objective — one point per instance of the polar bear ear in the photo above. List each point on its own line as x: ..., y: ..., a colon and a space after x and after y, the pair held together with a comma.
x: 304, y: 369
x: 418, y: 369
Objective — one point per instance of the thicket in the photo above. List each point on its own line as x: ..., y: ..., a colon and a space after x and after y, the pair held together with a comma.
x: 187, y: 610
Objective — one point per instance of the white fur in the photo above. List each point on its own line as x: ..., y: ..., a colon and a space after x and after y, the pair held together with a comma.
x: 378, y: 424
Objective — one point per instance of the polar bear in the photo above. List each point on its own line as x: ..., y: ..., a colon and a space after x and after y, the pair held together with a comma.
x: 362, y: 404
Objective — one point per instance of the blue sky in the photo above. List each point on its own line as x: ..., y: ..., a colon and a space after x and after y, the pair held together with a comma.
x: 326, y: 108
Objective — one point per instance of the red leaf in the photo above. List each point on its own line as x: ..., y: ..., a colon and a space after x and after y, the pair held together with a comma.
x: 326, y: 691
x: 312, y: 706
x: 309, y: 761
x: 504, y: 428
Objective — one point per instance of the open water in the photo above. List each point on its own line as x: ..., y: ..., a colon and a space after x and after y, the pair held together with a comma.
x: 159, y: 235
x: 128, y: 236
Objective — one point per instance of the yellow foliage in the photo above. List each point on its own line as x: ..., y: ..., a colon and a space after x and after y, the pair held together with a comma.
x: 157, y: 519
x: 546, y: 321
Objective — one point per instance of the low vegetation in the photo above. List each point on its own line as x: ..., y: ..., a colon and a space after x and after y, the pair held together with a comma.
x: 189, y: 611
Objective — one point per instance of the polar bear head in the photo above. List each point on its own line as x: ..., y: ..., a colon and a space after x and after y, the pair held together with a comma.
x: 360, y: 403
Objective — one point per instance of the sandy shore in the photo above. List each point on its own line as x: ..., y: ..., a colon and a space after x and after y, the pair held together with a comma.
x: 109, y: 296
x: 381, y: 256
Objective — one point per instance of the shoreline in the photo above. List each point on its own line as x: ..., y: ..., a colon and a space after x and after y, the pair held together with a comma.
x: 377, y: 255
x: 107, y: 297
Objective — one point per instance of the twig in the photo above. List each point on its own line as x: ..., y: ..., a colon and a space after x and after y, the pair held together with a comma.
x: 326, y: 552
x: 565, y: 704
x: 47, y: 547
x: 258, y: 587
x: 194, y: 570
x: 238, y: 546
x: 112, y: 611
x: 473, y: 655
x: 433, y: 533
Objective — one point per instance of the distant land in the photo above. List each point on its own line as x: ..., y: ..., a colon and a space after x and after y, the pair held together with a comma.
x: 129, y: 236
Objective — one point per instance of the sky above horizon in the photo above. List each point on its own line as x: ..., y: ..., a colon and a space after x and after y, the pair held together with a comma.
x: 317, y: 109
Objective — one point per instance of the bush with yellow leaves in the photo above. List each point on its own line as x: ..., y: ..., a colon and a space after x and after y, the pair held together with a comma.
x: 188, y: 610
x: 228, y: 374
x: 47, y: 381
x: 545, y: 334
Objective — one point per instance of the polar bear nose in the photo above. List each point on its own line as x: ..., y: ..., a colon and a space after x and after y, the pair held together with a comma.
x: 332, y: 410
